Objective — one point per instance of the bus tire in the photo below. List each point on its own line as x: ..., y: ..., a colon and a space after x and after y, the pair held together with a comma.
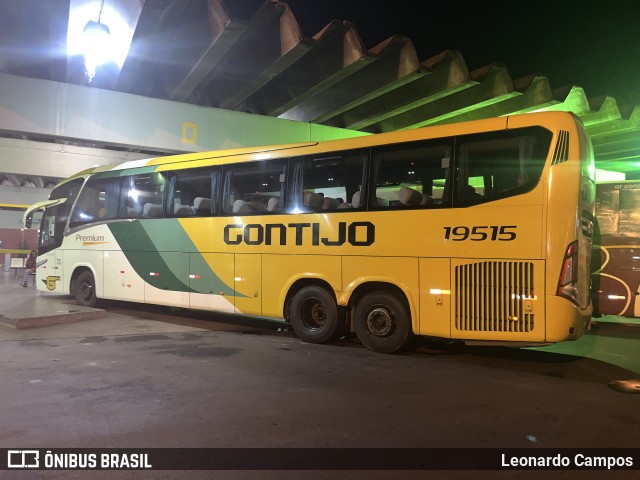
x: 382, y: 322
x: 315, y: 316
x: 85, y: 289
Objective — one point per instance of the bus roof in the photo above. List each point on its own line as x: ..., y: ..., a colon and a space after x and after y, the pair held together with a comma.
x: 217, y: 157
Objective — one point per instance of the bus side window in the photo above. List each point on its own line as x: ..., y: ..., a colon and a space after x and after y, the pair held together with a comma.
x: 498, y: 165
x: 328, y: 183
x: 129, y: 201
x: 253, y: 187
x: 98, y: 201
x: 139, y: 190
x: 410, y: 175
x: 193, y: 192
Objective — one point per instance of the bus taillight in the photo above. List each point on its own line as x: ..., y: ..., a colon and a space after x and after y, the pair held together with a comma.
x: 569, y: 274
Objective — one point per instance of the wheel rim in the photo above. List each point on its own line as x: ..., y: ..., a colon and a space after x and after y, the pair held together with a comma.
x: 313, y: 314
x: 381, y: 322
x: 86, y: 290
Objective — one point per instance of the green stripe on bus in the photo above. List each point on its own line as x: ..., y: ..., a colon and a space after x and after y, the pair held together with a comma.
x: 144, y: 257
x: 164, y: 260
x: 180, y: 241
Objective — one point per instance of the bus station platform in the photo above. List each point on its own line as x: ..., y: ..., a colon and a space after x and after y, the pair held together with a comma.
x: 142, y: 376
x: 28, y: 308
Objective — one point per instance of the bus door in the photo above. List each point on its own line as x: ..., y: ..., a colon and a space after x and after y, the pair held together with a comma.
x: 211, y: 281
x: 50, y: 258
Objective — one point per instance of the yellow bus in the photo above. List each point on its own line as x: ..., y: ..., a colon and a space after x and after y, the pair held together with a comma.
x: 478, y: 231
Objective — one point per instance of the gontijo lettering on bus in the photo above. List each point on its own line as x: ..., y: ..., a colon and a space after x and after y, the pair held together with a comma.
x: 358, y: 234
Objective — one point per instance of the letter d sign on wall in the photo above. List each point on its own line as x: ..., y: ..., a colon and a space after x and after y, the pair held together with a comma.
x: 189, y: 132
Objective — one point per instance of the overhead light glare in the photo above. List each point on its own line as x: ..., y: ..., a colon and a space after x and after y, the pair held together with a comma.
x: 102, y: 39
x: 96, y: 46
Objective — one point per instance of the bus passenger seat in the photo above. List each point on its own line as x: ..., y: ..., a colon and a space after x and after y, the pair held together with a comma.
x: 426, y: 200
x: 330, y: 203
x: 202, y: 206
x: 240, y: 206
x: 470, y: 195
x: 133, y: 212
x: 180, y: 210
x: 381, y: 202
x: 313, y: 200
x: 355, y: 200
x: 152, y: 210
x: 257, y: 207
x: 410, y: 197
x: 273, y: 205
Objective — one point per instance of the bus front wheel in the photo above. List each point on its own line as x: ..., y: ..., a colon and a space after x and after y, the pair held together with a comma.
x: 85, y: 289
x: 382, y: 322
x: 315, y: 316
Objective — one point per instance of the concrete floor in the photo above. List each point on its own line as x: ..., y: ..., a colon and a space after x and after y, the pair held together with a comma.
x: 144, y: 377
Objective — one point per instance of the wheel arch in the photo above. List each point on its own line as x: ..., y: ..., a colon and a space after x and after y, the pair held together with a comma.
x: 77, y: 270
x: 298, y: 285
x: 368, y: 286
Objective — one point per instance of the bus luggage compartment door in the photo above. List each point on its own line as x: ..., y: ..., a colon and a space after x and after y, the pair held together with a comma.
x: 166, y: 276
x: 247, y: 281
x: 435, y: 297
x: 211, y: 281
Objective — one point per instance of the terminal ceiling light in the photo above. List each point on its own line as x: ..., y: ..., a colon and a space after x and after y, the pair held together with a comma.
x: 96, y: 44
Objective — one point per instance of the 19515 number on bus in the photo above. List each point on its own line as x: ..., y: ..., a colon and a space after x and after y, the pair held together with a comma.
x: 500, y: 233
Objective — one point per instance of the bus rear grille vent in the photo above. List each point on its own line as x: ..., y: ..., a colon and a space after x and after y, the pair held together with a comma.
x: 494, y: 297
x: 561, y: 153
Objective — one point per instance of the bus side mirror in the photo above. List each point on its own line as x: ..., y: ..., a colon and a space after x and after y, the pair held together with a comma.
x: 28, y: 220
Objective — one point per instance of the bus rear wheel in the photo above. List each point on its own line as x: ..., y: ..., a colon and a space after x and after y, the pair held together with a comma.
x: 382, y: 322
x: 315, y: 316
x: 85, y: 289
